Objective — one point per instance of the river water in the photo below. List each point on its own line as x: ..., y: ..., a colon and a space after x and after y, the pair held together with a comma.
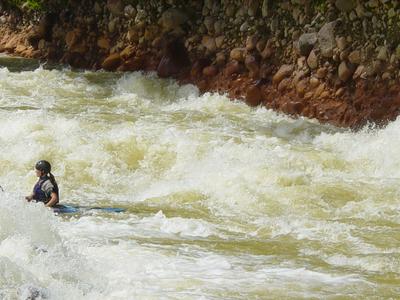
x: 222, y: 201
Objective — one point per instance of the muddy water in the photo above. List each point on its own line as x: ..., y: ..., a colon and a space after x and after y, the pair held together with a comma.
x: 221, y: 201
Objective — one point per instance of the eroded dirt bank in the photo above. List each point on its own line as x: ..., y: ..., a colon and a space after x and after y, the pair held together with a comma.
x: 337, y: 61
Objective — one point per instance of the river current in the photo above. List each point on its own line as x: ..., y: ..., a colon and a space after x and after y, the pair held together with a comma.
x: 222, y: 201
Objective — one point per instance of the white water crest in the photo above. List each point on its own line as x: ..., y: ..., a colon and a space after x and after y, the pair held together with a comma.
x: 221, y: 201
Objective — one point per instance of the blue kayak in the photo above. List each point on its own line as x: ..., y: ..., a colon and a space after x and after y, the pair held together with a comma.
x: 70, y: 209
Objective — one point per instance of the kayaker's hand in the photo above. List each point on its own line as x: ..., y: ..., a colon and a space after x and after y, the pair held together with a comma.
x: 29, y: 198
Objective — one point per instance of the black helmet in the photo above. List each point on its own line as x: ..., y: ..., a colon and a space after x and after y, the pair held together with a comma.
x: 43, y: 165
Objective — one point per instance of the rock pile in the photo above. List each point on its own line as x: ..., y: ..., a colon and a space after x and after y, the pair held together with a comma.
x: 336, y: 60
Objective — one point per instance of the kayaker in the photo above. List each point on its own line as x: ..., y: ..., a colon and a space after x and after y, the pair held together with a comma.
x: 46, y: 189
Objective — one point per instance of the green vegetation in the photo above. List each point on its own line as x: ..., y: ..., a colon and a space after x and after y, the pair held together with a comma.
x: 36, y: 5
x: 30, y: 4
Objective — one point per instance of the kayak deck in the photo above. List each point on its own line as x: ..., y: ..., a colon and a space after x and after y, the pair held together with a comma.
x: 71, y: 209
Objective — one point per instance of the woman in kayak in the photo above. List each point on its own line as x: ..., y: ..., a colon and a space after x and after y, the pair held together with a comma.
x: 46, y: 189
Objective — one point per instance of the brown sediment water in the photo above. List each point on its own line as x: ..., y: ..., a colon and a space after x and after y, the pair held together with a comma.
x: 222, y: 201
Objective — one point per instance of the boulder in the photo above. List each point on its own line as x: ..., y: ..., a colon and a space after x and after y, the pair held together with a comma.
x: 218, y: 27
x: 97, y: 8
x: 132, y: 64
x: 210, y: 71
x: 355, y: 57
x: 321, y: 73
x: 130, y: 11
x: 116, y: 7
x: 112, y: 62
x: 219, y: 41
x: 267, y: 52
x: 341, y: 43
x: 283, y: 72
x: 252, y: 65
x: 312, y: 60
x: 253, y: 96
x: 103, y: 43
x: 345, y: 5
x: 43, y: 29
x: 209, y: 43
x: 344, y: 72
x: 232, y: 68
x: 112, y: 25
x: 265, y: 8
x: 72, y: 38
x: 284, y: 84
x: 383, y: 54
x: 397, y: 52
x: 301, y: 87
x: 209, y: 24
x: 314, y: 82
x: 251, y: 42
x: 172, y: 18
x: 326, y: 39
x: 307, y: 42
x: 237, y: 54
x: 175, y: 58
x: 220, y: 58
x: 128, y: 52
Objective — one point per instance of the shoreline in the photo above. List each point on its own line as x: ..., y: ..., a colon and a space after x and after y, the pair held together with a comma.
x: 307, y: 67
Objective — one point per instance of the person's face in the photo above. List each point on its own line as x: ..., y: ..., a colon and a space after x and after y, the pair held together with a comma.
x: 39, y: 173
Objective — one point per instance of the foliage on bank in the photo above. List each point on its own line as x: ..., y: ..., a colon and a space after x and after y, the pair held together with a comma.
x: 36, y: 5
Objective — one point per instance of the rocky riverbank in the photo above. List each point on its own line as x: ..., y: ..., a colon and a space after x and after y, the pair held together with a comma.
x: 337, y: 61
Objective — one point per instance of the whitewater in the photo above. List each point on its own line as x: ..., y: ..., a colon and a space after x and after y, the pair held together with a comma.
x: 221, y: 201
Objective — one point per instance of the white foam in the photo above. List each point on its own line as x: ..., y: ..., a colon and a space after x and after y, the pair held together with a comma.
x: 244, y: 196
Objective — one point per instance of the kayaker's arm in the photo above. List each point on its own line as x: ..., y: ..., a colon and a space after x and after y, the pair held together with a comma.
x: 53, y: 200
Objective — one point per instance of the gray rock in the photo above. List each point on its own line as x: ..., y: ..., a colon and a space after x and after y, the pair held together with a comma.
x: 130, y: 11
x: 360, y: 11
x: 244, y: 27
x: 326, y: 39
x: 112, y: 26
x: 373, y: 3
x: 253, y: 8
x: 392, y: 13
x: 218, y: 27
x: 307, y: 42
x: 171, y: 19
x: 230, y: 10
x: 383, y: 54
x: 312, y: 60
x: 116, y: 7
x: 97, y: 8
x: 397, y: 52
x: 141, y: 16
x: 209, y: 23
x: 219, y: 41
x: 208, y: 4
x: 345, y: 5
x: 265, y: 8
x: 341, y: 43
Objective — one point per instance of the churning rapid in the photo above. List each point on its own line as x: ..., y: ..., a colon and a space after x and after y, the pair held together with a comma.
x: 221, y: 201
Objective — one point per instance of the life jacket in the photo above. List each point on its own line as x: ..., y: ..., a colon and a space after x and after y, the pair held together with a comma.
x: 40, y: 195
